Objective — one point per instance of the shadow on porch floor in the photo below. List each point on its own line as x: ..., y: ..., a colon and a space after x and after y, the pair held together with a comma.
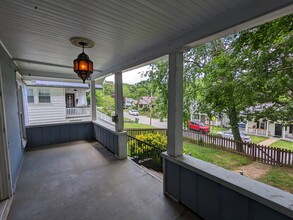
x: 82, y: 180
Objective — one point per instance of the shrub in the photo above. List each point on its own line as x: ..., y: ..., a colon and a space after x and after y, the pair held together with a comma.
x: 151, y: 146
x: 155, y: 139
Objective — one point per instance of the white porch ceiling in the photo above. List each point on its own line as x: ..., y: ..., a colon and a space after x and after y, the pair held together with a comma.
x: 127, y: 33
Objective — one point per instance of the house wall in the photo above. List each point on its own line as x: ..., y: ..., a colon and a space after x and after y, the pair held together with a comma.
x: 80, y: 94
x: 13, y: 132
x: 43, y: 113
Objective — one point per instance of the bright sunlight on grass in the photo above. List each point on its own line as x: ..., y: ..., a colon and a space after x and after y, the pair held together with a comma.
x: 137, y: 125
x: 283, y: 144
x: 257, y: 139
x: 215, y: 129
x: 220, y: 158
x: 280, y: 177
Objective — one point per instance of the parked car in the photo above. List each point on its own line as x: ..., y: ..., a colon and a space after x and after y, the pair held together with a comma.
x: 198, y: 126
x: 229, y: 134
x: 133, y: 112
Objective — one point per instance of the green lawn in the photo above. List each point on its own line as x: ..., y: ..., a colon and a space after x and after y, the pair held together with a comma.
x: 218, y: 157
x: 280, y: 177
x: 137, y: 125
x: 257, y: 139
x: 283, y: 144
x: 215, y: 129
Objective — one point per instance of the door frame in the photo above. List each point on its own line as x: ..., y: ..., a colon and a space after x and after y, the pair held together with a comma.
x: 70, y: 94
x: 5, y: 171
x: 281, y: 126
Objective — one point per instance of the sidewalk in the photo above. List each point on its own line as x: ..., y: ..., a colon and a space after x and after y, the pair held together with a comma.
x: 269, y: 141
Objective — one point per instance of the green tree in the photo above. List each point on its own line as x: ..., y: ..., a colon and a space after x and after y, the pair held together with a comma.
x: 267, y: 53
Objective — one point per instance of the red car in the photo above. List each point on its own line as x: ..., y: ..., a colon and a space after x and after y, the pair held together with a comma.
x: 198, y: 126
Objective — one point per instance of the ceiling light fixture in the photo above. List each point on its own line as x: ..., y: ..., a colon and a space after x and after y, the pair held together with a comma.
x: 83, y: 66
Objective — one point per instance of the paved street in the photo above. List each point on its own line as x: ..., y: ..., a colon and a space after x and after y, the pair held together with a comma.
x: 146, y: 120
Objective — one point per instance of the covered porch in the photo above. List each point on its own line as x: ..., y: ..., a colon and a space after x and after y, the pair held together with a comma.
x: 84, y: 180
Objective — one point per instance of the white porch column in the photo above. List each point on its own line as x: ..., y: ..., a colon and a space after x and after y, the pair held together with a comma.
x: 119, y: 125
x: 246, y: 127
x: 93, y: 100
x: 283, y: 131
x: 175, y: 104
x: 267, y: 131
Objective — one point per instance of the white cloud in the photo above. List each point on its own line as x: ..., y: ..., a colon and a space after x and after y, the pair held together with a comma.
x: 132, y: 76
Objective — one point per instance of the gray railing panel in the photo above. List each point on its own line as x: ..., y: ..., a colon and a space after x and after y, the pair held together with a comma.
x: 215, y: 193
x: 41, y: 135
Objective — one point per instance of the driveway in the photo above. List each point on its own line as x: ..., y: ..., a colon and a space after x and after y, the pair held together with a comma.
x: 146, y: 120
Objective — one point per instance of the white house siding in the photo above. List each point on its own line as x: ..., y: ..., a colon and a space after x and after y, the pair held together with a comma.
x: 42, y: 113
x: 80, y: 95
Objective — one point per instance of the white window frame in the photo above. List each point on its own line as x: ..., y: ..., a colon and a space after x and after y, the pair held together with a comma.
x: 29, y: 96
x: 48, y: 94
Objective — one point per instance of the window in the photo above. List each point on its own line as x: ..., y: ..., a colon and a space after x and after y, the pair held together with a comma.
x: 30, y: 96
x: 44, y: 96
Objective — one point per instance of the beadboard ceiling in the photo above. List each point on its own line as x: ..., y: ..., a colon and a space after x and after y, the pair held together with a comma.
x: 126, y: 33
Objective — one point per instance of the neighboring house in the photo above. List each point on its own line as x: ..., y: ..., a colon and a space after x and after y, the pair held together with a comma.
x: 222, y: 120
x: 266, y: 128
x: 129, y: 102
x: 145, y: 101
x: 49, y: 101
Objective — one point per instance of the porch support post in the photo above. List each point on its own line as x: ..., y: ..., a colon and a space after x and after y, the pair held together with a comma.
x: 119, y: 125
x: 175, y: 104
x: 93, y: 100
x: 267, y: 131
x: 283, y: 131
x: 246, y: 127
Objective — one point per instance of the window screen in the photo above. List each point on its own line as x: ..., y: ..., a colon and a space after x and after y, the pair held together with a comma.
x: 30, y: 96
x: 44, y: 96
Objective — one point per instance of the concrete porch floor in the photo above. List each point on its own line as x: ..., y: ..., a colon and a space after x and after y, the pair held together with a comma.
x: 83, y: 180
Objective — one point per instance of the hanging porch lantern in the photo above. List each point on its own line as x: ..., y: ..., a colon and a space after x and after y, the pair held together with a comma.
x: 83, y: 66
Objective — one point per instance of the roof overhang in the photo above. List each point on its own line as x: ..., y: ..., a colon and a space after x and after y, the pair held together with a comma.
x: 127, y: 34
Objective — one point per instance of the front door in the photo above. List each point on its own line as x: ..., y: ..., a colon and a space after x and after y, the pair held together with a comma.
x: 278, y: 129
x: 70, y: 101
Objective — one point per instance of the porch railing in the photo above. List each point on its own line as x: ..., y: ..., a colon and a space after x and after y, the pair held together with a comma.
x: 264, y: 154
x: 78, y: 112
x: 258, y: 131
x: 105, y: 117
x: 145, y: 154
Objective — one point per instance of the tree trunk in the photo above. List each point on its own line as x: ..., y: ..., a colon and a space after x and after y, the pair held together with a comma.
x: 233, y: 116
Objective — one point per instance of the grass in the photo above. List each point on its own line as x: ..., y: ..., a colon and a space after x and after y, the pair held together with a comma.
x: 218, y: 157
x: 215, y: 129
x: 283, y: 144
x: 280, y: 177
x: 137, y: 125
x: 257, y: 139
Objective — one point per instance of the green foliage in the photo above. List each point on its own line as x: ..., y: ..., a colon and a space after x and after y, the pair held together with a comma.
x: 266, y: 54
x: 155, y: 139
x: 108, y: 88
x: 151, y: 146
x: 139, y: 89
